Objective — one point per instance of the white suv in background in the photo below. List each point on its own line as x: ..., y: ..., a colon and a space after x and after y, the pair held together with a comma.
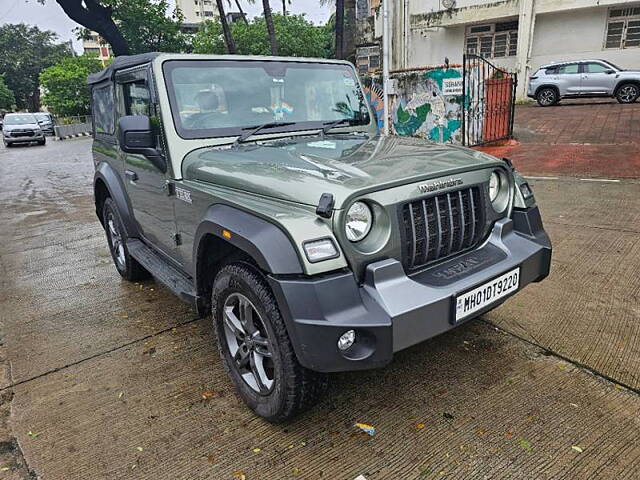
x: 583, y: 78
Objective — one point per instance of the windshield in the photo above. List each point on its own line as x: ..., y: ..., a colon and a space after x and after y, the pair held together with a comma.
x: 42, y: 117
x: 19, y: 119
x: 224, y: 98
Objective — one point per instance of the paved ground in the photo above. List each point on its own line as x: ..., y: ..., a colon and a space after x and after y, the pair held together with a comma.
x: 578, y: 138
x: 104, y: 379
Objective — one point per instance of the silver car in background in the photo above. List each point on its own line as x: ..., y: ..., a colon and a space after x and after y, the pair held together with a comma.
x: 583, y: 78
x: 46, y: 122
x: 21, y: 128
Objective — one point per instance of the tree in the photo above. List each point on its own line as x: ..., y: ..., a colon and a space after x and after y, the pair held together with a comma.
x: 65, y: 85
x: 7, y: 99
x: 270, y: 28
x: 226, y: 31
x: 129, y: 26
x: 25, y: 51
x: 299, y: 37
x: 339, y: 25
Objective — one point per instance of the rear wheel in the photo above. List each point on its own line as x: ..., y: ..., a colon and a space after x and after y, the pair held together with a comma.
x: 126, y: 265
x: 628, y: 93
x: 256, y: 349
x: 547, y: 96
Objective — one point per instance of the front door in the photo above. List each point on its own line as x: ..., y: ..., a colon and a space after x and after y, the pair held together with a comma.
x: 596, y: 80
x: 146, y: 184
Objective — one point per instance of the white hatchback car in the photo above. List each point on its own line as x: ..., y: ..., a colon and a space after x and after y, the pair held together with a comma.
x: 583, y: 78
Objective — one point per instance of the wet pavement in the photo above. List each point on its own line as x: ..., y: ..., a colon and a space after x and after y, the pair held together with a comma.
x: 104, y: 379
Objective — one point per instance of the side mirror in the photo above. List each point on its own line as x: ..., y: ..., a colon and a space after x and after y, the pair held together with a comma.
x: 136, y: 136
x: 609, y: 72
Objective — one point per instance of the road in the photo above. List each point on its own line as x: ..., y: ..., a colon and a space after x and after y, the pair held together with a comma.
x: 104, y: 379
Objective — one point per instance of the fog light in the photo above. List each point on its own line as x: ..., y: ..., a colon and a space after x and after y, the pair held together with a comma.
x: 346, y: 339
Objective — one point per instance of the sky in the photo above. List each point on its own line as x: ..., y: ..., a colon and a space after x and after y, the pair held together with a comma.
x: 51, y: 17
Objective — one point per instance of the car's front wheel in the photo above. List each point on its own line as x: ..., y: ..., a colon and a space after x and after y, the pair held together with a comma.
x: 628, y: 93
x: 126, y: 265
x: 42, y: 142
x: 255, y: 347
x: 547, y: 96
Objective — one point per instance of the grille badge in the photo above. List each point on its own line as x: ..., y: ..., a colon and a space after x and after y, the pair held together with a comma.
x: 440, y: 185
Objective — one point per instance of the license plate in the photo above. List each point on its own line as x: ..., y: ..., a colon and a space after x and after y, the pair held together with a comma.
x: 480, y: 297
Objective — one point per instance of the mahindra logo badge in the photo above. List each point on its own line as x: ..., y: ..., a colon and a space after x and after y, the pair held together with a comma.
x: 439, y: 185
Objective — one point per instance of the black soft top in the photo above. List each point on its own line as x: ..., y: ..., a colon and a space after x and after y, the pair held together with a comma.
x: 124, y: 61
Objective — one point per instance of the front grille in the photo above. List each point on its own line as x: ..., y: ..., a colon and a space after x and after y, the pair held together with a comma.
x: 440, y: 226
x: 22, y: 133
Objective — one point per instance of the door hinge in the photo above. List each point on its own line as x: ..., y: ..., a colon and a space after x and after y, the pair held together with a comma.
x: 169, y: 187
x: 177, y: 239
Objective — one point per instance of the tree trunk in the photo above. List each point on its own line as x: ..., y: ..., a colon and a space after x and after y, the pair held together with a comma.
x: 284, y: 7
x: 244, y: 15
x: 272, y: 32
x: 96, y: 17
x: 339, y: 28
x: 226, y: 31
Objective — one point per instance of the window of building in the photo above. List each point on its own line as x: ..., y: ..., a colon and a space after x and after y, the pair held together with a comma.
x: 493, y: 40
x: 368, y: 59
x: 102, y: 106
x: 623, y: 28
x: 208, y: 13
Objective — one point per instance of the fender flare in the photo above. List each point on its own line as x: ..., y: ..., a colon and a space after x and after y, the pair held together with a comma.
x: 116, y: 188
x: 265, y: 242
x: 622, y: 82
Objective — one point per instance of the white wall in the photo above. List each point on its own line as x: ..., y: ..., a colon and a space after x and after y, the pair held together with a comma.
x: 575, y: 35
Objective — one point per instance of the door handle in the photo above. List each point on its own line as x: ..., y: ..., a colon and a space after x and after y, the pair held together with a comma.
x: 131, y: 175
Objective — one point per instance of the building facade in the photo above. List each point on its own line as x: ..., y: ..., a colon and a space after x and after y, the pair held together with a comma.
x: 196, y: 11
x: 96, y: 46
x: 519, y: 35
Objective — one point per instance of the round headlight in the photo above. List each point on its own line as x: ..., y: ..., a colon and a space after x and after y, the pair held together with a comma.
x: 495, y: 182
x: 359, y: 220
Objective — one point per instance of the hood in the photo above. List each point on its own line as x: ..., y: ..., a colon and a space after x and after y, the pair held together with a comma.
x: 27, y: 126
x: 301, y: 169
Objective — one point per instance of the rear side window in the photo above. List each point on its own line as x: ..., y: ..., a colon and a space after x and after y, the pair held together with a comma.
x: 551, y: 70
x: 103, y: 110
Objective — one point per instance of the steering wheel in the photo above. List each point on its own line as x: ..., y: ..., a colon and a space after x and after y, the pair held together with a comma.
x: 199, y: 120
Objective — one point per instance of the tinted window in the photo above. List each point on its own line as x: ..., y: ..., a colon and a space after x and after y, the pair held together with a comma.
x: 136, y: 97
x: 102, y: 106
x: 573, y: 68
x: 595, y: 68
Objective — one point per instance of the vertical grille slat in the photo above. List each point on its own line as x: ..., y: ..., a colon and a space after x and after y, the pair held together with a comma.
x: 442, y: 225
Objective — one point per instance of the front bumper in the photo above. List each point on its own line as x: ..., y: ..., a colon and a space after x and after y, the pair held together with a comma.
x: 391, y: 311
x: 24, y: 139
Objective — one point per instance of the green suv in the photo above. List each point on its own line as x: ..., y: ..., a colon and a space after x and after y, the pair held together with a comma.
x: 259, y: 190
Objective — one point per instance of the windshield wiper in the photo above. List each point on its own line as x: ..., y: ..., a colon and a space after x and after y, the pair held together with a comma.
x: 329, y: 125
x: 255, y: 129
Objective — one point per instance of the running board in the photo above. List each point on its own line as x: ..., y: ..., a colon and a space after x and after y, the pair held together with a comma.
x: 171, y: 277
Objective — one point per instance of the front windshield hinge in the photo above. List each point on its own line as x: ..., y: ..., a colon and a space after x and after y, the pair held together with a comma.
x: 169, y: 187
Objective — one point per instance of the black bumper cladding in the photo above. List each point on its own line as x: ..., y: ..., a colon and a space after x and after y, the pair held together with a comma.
x: 392, y: 311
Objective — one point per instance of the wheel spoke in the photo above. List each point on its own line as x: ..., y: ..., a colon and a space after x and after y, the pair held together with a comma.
x: 233, y: 324
x: 242, y: 357
x: 257, y: 374
x: 246, y: 316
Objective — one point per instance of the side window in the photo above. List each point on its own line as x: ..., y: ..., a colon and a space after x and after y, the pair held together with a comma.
x: 136, y: 99
x: 573, y: 68
x: 595, y: 68
x: 103, y: 110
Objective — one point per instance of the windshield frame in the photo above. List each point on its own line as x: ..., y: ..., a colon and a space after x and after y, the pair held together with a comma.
x: 203, y: 134
x: 14, y: 115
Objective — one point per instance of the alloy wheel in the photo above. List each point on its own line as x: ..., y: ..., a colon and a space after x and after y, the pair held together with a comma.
x: 628, y: 93
x: 117, y: 245
x: 248, y: 343
x: 547, y: 97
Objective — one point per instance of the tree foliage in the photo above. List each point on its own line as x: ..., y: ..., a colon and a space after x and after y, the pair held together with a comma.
x: 65, y: 86
x: 297, y: 37
x: 25, y: 51
x: 149, y: 25
x: 7, y: 99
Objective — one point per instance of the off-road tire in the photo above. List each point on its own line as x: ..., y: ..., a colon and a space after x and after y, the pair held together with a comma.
x: 547, y: 97
x: 42, y: 142
x: 295, y: 388
x: 130, y: 270
x: 625, y: 93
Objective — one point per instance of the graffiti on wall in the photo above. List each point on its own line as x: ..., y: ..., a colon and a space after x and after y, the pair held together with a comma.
x: 425, y: 104
x: 428, y: 105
